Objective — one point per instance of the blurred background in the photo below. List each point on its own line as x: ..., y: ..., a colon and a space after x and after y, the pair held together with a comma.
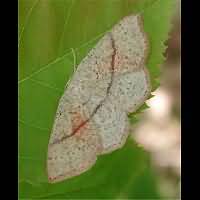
x: 158, y: 131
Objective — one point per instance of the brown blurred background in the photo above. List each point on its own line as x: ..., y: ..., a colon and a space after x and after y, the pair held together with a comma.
x: 159, y: 129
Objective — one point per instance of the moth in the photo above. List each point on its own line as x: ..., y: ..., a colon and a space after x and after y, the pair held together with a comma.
x: 109, y: 83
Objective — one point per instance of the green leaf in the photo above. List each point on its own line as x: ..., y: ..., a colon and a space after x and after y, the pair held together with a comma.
x: 49, y: 32
x: 112, y: 177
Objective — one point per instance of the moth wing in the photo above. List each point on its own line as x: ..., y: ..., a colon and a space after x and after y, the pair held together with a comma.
x: 131, y: 44
x: 73, y: 144
x: 112, y: 125
x: 130, y: 90
x: 95, y: 66
x: 72, y: 157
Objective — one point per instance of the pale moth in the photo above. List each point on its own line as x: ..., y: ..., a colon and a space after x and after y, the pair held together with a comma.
x: 91, y: 119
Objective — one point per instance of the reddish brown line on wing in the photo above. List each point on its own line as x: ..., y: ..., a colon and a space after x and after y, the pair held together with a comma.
x: 112, y: 64
x: 114, y: 54
x: 79, y: 127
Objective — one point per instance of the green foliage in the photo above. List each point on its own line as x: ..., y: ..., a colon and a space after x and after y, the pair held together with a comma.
x: 48, y: 31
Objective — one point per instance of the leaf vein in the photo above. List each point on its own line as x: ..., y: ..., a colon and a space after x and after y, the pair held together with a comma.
x: 65, y: 24
x: 32, y: 125
x: 46, y: 85
x: 26, y: 21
